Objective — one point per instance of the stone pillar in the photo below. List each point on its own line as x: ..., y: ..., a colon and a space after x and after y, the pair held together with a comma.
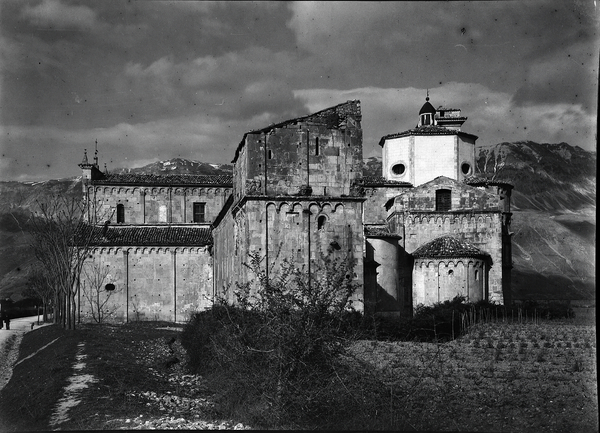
x: 143, y: 200
x: 126, y: 268
x: 174, y: 264
x: 385, y: 253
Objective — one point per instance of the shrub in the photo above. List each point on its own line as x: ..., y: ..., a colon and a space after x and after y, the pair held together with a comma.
x: 273, y: 354
x: 547, y: 310
x: 440, y: 321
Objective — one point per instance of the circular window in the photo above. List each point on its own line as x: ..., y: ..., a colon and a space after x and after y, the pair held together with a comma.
x: 398, y: 169
x: 465, y: 168
x: 109, y: 287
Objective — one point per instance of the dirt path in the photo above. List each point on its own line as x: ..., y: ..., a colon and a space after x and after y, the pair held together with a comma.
x: 71, y: 393
x: 10, y: 341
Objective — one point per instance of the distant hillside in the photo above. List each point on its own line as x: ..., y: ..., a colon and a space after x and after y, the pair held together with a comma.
x: 554, y: 221
x: 23, y: 195
x: 546, y: 177
x: 179, y: 166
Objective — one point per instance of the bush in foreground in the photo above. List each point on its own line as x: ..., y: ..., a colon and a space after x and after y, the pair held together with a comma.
x: 274, y: 356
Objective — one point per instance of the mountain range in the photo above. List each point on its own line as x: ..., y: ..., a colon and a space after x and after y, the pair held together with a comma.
x: 553, y: 224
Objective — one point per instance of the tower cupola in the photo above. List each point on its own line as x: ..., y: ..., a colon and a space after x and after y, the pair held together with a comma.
x: 435, y: 147
x: 427, y: 113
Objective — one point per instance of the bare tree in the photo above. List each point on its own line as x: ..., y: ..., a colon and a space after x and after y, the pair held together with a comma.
x: 40, y: 287
x: 61, y: 241
x: 97, y: 291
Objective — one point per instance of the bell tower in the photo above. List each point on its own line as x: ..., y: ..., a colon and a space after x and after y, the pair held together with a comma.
x: 89, y: 172
x: 430, y: 150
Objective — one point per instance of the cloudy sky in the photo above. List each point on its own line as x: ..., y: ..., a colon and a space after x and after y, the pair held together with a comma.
x: 154, y: 80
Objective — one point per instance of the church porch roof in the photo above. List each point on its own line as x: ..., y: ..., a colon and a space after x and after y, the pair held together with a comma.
x: 147, y: 236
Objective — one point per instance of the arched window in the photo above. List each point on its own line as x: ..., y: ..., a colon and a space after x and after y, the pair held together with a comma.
x: 120, y: 213
x: 321, y: 222
x: 443, y: 200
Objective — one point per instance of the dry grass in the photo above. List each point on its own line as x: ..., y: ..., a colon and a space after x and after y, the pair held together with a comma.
x: 141, y: 381
x: 498, y: 377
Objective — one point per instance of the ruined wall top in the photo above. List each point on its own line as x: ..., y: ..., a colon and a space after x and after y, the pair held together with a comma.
x: 347, y: 114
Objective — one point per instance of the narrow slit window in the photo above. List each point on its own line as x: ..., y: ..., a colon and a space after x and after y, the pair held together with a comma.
x: 443, y: 200
x: 269, y: 154
x: 317, y: 146
x: 199, y: 212
x: 120, y: 213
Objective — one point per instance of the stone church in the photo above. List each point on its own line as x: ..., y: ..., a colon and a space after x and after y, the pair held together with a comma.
x: 424, y: 231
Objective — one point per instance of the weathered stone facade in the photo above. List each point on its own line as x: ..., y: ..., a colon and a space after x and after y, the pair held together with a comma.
x: 295, y: 195
x: 151, y: 283
x: 156, y: 199
x: 425, y: 231
x: 153, y: 243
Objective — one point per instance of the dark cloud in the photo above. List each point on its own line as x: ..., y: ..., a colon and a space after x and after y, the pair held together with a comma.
x: 564, y: 77
x: 150, y: 78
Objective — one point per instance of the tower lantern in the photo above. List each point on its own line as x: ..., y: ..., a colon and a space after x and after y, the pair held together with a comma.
x: 436, y: 147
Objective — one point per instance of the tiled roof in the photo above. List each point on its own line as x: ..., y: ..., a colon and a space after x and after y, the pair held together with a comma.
x: 380, y: 232
x: 150, y: 236
x: 426, y: 130
x: 482, y: 181
x: 450, y: 118
x: 448, y: 247
x: 442, y: 108
x: 382, y: 181
x: 165, y: 179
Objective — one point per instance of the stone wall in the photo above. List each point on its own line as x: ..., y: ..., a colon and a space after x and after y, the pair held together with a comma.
x: 377, y: 196
x: 475, y: 216
x: 287, y: 159
x: 440, y: 280
x: 143, y: 205
x: 385, y: 293
x: 463, y: 197
x: 151, y: 283
x: 295, y: 230
x: 294, y: 197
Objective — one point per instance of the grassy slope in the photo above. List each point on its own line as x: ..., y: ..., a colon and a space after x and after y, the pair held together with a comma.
x: 509, y: 377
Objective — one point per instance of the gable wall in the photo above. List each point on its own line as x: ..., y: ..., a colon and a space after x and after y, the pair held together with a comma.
x: 475, y: 216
